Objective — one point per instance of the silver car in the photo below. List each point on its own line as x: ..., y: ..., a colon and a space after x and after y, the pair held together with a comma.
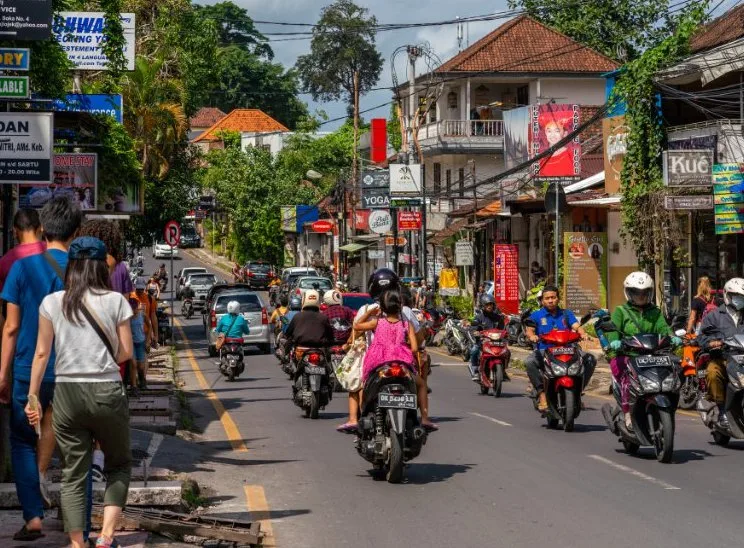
x: 200, y: 283
x: 253, y: 310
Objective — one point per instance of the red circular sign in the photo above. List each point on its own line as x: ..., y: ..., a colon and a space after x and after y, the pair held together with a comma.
x: 322, y: 226
x: 172, y: 233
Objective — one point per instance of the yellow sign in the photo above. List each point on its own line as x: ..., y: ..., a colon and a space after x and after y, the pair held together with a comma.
x: 730, y: 228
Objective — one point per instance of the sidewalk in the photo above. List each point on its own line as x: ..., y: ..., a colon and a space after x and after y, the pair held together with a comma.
x: 218, y: 262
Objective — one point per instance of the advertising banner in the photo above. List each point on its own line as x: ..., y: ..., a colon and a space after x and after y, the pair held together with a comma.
x: 516, y: 136
x: 15, y: 59
x: 75, y: 176
x: 110, y: 105
x: 506, y: 277
x: 80, y: 34
x: 409, y: 220
x: 405, y: 179
x: 728, y: 190
x: 380, y: 221
x: 689, y: 202
x: 464, y: 253
x: 289, y: 218
x: 687, y: 168
x: 615, y: 134
x: 26, y: 147
x: 549, y: 124
x: 585, y: 271
x: 361, y: 219
x: 27, y: 20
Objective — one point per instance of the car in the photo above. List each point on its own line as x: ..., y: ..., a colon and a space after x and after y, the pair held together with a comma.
x: 311, y: 282
x: 253, y: 310
x: 355, y: 301
x: 291, y: 275
x: 183, y: 274
x: 200, y: 283
x: 189, y: 237
x: 258, y: 274
x: 216, y: 289
x: 161, y: 250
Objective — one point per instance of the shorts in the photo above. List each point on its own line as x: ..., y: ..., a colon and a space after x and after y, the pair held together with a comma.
x: 139, y: 352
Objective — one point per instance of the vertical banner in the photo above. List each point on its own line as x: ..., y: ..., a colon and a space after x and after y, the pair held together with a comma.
x: 728, y: 190
x: 506, y: 277
x: 585, y: 271
x: 550, y: 124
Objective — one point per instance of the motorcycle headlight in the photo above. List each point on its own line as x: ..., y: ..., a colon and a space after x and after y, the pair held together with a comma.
x: 671, y: 383
x: 648, y: 385
x: 574, y: 369
x: 558, y: 369
x: 494, y: 336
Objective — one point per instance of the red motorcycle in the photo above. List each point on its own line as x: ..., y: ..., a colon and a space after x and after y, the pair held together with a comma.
x: 494, y: 359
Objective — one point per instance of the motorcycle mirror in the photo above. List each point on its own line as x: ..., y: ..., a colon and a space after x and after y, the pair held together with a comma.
x: 585, y: 318
x: 529, y: 322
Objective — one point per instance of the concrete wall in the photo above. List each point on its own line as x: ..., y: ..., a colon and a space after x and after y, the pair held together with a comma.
x: 620, y: 263
x: 485, y: 166
x: 582, y: 91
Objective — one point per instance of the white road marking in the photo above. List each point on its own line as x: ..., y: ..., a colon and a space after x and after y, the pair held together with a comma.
x: 497, y: 421
x: 636, y: 473
x: 152, y: 449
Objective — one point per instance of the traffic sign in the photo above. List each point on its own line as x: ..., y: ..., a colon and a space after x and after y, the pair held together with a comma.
x: 172, y: 233
x: 322, y: 226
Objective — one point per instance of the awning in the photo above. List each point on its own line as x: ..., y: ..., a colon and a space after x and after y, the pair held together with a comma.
x: 352, y: 248
x: 606, y: 201
x: 589, y: 182
x: 706, y: 66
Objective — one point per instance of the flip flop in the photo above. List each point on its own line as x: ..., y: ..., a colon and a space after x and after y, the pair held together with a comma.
x: 27, y: 535
x: 430, y: 426
x: 347, y: 427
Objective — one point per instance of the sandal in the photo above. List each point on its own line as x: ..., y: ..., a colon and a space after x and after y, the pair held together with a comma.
x: 105, y: 542
x: 430, y: 426
x: 27, y: 535
x: 347, y: 427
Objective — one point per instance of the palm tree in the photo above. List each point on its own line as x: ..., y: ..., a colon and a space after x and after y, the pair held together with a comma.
x: 154, y: 115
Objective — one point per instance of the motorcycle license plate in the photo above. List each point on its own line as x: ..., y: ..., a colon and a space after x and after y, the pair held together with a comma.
x: 397, y: 401
x: 653, y: 361
x: 563, y: 351
x: 315, y: 370
x: 701, y: 373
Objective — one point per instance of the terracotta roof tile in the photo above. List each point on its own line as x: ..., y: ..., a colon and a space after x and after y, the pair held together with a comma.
x: 526, y: 45
x: 726, y: 28
x: 242, y: 120
x: 206, y: 117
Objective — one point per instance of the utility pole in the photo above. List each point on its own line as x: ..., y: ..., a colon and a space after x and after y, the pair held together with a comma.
x: 355, y: 159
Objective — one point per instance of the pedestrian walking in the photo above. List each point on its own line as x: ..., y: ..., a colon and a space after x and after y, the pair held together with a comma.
x: 139, y: 338
x: 110, y: 234
x: 29, y: 281
x: 88, y: 325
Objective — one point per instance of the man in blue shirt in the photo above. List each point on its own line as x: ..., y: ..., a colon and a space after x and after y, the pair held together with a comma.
x: 29, y: 281
x: 549, y: 317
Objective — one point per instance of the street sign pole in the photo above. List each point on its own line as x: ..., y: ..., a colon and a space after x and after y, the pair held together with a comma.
x: 172, y: 238
x: 557, y: 230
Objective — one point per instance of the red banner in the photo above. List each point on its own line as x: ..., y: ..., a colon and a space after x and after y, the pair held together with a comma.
x: 506, y: 277
x: 361, y: 219
x: 409, y: 220
x: 378, y: 140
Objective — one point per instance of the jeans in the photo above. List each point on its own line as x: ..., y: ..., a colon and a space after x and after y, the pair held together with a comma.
x: 475, y: 353
x: 23, y: 441
x: 534, y: 365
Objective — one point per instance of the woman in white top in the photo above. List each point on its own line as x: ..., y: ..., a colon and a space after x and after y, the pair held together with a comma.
x: 88, y: 324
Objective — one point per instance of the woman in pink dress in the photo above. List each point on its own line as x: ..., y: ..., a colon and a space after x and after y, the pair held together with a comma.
x: 394, y: 340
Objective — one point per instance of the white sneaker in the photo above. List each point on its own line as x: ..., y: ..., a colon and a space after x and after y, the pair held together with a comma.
x: 98, y: 475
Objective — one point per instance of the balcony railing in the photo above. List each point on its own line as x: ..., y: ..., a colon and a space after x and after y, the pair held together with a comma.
x: 462, y: 128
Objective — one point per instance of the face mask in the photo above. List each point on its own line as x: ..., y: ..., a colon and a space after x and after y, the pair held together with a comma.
x: 737, y: 301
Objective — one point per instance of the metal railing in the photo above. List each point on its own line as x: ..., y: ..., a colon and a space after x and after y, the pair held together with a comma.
x: 462, y: 128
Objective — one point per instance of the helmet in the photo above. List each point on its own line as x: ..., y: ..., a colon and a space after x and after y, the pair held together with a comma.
x: 295, y: 303
x: 380, y: 280
x: 639, y: 288
x: 733, y: 293
x: 487, y: 299
x: 332, y: 297
x: 233, y: 307
x: 310, y: 299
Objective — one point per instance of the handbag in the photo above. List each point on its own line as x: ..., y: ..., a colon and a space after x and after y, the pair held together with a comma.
x: 222, y: 336
x: 349, y: 371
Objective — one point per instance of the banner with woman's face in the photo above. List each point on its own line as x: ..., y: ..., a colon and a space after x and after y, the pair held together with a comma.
x: 549, y: 124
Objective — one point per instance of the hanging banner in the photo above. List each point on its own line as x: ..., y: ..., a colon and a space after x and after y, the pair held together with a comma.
x: 506, y: 277
x: 728, y: 190
x: 464, y: 253
x: 585, y: 271
x: 75, y: 176
x: 516, y: 136
x: 27, y: 20
x: 26, y: 147
x: 80, y: 34
x: 549, y: 124
x: 409, y: 220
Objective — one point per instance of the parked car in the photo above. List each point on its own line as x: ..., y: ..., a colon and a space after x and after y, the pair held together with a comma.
x: 161, y: 250
x: 183, y: 274
x: 189, y: 237
x: 291, y: 275
x: 312, y: 282
x: 258, y: 274
x: 355, y: 301
x: 253, y: 310
x: 200, y: 283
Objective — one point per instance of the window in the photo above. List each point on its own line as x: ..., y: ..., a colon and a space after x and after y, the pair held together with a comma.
x: 523, y: 95
x: 448, y: 182
x: 248, y: 303
x: 437, y: 178
x: 461, y: 175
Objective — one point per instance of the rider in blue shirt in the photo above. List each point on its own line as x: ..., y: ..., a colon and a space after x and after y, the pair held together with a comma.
x: 233, y: 324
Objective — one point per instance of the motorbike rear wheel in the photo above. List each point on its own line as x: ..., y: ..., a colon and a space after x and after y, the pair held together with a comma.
x: 569, y: 398
x: 721, y: 439
x: 552, y: 423
x: 689, y: 393
x: 395, y: 466
x: 314, y: 406
x: 663, y: 434
x: 498, y: 380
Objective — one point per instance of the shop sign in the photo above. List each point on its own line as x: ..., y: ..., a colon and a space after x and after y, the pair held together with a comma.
x: 26, y: 20
x: 322, y: 226
x: 26, y: 147
x: 687, y: 168
x: 380, y: 221
x: 376, y: 178
x: 401, y: 242
x: 15, y: 59
x: 688, y: 202
x: 405, y: 179
x: 506, y: 277
x: 75, y: 176
x: 375, y: 254
x: 80, y: 34
x: 409, y: 220
x: 728, y: 189
x: 361, y: 219
x: 14, y: 87
x: 585, y: 271
x: 464, y: 253
x: 110, y: 105
x: 375, y: 198
x: 405, y: 202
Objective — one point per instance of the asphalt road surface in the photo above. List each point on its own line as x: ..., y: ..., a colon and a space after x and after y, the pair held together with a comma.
x: 493, y: 475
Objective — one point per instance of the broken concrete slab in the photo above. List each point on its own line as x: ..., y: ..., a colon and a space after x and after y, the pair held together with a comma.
x: 155, y: 493
x: 160, y: 425
x: 157, y: 406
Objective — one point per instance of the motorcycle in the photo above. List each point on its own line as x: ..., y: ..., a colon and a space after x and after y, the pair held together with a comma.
x: 733, y: 352
x: 165, y: 333
x: 694, y: 363
x: 311, y: 390
x: 187, y: 307
x: 457, y: 338
x: 494, y: 359
x: 654, y: 378
x: 390, y: 431
x: 274, y: 295
x: 231, y: 358
x: 515, y: 328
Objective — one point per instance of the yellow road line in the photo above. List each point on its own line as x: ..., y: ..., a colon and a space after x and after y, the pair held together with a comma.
x: 231, y: 429
x: 259, y: 509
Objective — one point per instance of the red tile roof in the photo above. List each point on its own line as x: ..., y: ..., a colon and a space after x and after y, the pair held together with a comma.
x: 242, y: 120
x: 526, y: 45
x: 726, y: 28
x: 206, y: 117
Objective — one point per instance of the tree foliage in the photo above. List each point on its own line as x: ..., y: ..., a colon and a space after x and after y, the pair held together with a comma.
x: 343, y: 43
x: 236, y: 28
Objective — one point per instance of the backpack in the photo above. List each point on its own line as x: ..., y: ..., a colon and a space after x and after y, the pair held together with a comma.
x: 710, y: 307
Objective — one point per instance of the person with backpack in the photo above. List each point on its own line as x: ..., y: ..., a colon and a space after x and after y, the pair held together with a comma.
x: 340, y: 316
x: 29, y: 281
x: 702, y: 304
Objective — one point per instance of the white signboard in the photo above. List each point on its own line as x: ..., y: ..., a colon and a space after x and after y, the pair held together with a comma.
x: 380, y: 221
x: 376, y: 254
x: 464, y: 253
x: 80, y: 33
x: 26, y: 147
x: 405, y: 179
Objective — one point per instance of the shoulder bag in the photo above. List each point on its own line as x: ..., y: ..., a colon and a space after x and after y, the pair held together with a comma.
x: 222, y: 336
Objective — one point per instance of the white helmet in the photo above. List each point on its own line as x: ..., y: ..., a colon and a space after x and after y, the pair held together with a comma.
x: 639, y: 288
x: 332, y: 297
x: 733, y: 293
x: 310, y: 299
x: 233, y: 307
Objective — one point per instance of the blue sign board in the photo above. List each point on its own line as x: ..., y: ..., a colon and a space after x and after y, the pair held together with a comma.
x: 111, y: 105
x: 306, y: 214
x: 15, y: 59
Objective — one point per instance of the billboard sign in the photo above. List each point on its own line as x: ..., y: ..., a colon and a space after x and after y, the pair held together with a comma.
x: 464, y: 253
x: 688, y: 168
x: 506, y: 277
x: 615, y: 134
x: 80, y: 34
x: 549, y: 124
x: 26, y: 147
x: 585, y: 271
x: 96, y: 103
x: 409, y: 220
x: 75, y: 176
x: 27, y: 20
x: 728, y: 190
x: 405, y: 179
x: 375, y: 198
x: 380, y: 221
x: 689, y: 202
x: 15, y: 59
x: 14, y: 87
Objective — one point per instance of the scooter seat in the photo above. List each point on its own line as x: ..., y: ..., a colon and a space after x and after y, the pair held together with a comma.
x: 234, y: 341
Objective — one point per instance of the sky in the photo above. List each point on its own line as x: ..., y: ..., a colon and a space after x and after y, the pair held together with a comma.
x: 442, y: 39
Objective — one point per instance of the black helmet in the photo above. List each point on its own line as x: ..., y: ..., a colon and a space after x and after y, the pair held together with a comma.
x: 380, y: 280
x: 295, y: 303
x: 487, y: 299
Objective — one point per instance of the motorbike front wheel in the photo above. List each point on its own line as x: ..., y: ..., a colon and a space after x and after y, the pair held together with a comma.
x: 689, y: 393
x: 498, y: 380
x: 230, y: 374
x: 662, y: 421
x: 569, y: 398
x: 395, y: 466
